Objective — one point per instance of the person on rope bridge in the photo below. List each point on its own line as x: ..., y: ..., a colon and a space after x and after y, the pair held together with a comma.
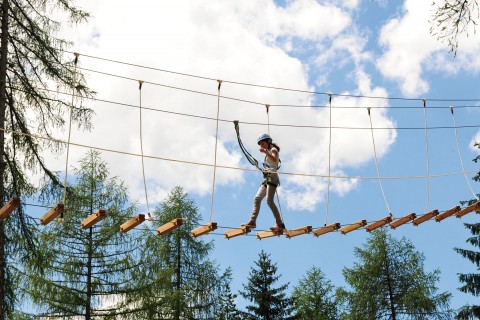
x: 269, y: 184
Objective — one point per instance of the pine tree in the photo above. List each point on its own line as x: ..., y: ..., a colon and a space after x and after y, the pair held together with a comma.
x: 314, y: 297
x: 471, y: 281
x: 268, y: 301
x: 225, y: 307
x: 32, y: 63
x: 389, y: 282
x: 87, y: 269
x: 182, y: 281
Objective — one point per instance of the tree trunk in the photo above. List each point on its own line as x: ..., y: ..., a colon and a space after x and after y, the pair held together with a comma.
x: 179, y: 274
x: 390, y: 289
x: 3, y: 106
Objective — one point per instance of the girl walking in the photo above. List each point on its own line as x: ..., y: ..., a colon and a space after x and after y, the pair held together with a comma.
x: 269, y: 184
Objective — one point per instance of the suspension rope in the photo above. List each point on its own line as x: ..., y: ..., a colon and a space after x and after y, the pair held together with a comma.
x: 426, y: 154
x: 267, y: 106
x: 216, y: 143
x: 65, y: 182
x: 376, y: 163
x: 460, y: 153
x: 140, y: 83
x: 329, y: 157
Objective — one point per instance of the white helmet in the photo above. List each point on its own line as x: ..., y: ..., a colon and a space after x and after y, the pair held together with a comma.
x: 263, y: 137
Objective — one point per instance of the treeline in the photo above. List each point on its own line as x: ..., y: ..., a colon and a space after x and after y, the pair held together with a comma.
x: 101, y: 273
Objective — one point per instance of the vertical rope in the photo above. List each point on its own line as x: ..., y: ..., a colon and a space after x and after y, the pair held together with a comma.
x: 426, y: 153
x: 460, y: 154
x: 376, y: 163
x: 329, y: 156
x: 74, y: 91
x: 267, y: 106
x: 140, y: 83
x: 216, y: 143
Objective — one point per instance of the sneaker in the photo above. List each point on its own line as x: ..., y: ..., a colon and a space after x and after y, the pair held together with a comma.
x: 278, y: 227
x: 249, y: 224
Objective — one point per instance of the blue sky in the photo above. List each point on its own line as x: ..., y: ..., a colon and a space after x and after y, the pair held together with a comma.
x: 351, y: 47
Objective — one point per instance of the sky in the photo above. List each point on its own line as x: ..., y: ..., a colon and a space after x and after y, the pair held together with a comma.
x: 367, y: 53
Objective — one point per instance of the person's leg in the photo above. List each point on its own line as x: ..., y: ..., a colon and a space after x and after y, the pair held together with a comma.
x: 262, y: 191
x: 271, y: 203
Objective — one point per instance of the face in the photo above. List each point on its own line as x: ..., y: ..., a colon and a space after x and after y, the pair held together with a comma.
x: 264, y: 144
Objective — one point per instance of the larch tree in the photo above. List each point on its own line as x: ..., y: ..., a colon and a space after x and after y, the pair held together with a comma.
x: 471, y: 281
x: 451, y: 18
x: 32, y: 63
x: 314, y: 297
x: 88, y: 272
x: 389, y: 282
x: 268, y: 301
x: 182, y: 282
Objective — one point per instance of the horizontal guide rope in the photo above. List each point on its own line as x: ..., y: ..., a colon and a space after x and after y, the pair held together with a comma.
x: 271, y: 124
x: 238, y: 168
x: 269, y: 87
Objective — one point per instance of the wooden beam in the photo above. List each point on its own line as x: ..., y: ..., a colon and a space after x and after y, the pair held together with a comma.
x: 237, y: 232
x: 296, y: 232
x: 132, y: 223
x: 268, y: 234
x: 470, y: 208
x: 448, y: 213
x: 425, y: 217
x: 378, y: 224
x: 169, y: 226
x: 204, y: 229
x: 8, y: 208
x: 93, y: 218
x: 52, y: 214
x: 353, y: 226
x: 399, y: 222
x: 326, y: 229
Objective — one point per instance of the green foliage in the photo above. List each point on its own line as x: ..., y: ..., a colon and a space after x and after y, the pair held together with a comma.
x: 182, y: 281
x: 389, y: 282
x: 471, y: 281
x: 84, y: 271
x: 314, y: 297
x: 269, y: 302
x: 225, y: 308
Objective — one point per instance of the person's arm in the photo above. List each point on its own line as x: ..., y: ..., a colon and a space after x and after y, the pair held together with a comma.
x: 273, y: 156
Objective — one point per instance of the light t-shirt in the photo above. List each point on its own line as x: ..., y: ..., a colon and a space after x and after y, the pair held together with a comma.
x: 272, y: 165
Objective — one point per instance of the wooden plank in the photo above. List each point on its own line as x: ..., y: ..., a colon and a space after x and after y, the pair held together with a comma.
x: 8, y: 208
x: 237, y: 232
x: 169, y: 226
x: 52, y: 214
x: 399, y: 222
x: 268, y: 234
x: 326, y: 229
x: 132, y: 223
x: 296, y: 232
x: 204, y: 229
x: 93, y: 218
x: 425, y: 217
x: 353, y: 226
x: 475, y: 206
x: 378, y: 224
x: 446, y: 214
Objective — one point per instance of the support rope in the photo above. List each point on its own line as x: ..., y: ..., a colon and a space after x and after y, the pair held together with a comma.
x: 140, y: 83
x: 216, y: 143
x: 426, y: 153
x: 329, y: 156
x: 376, y: 163
x: 65, y: 182
x: 460, y: 153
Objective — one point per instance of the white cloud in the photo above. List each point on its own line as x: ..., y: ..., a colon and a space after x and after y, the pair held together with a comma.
x: 475, y: 140
x: 233, y: 41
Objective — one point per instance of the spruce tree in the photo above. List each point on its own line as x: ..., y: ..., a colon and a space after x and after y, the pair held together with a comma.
x: 87, y: 270
x: 389, y: 282
x: 33, y: 73
x: 314, y: 297
x: 183, y: 283
x: 268, y: 302
x: 471, y: 281
x: 225, y: 307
